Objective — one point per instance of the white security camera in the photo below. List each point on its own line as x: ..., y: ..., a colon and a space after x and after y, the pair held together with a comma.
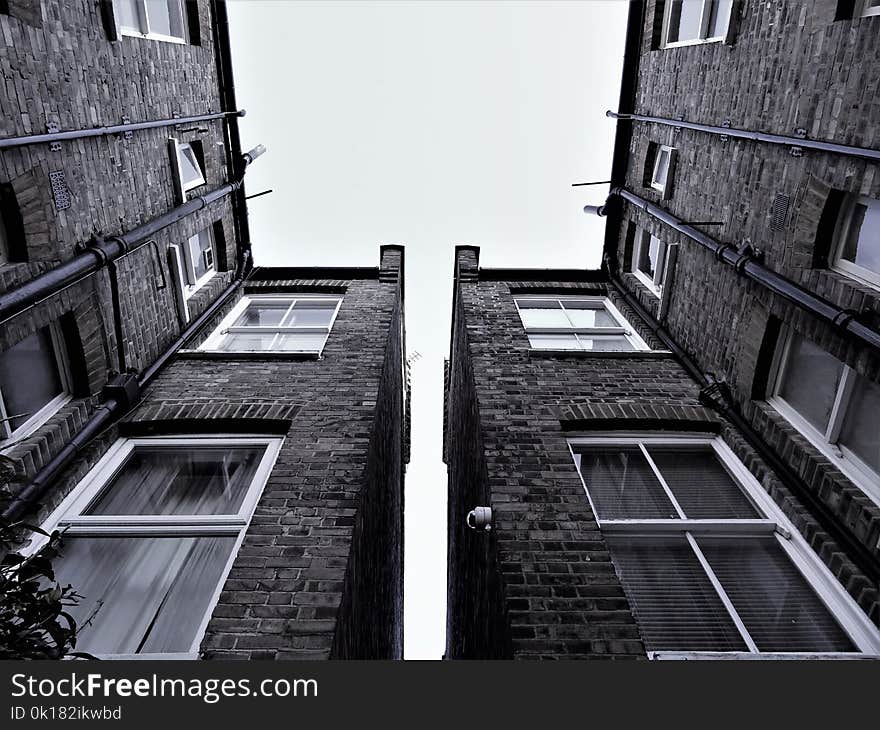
x: 480, y: 518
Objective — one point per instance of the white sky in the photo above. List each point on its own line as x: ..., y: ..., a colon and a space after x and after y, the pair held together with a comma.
x: 427, y: 124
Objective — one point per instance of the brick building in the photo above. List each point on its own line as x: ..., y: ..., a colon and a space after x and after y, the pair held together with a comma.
x: 224, y: 444
x: 680, y: 450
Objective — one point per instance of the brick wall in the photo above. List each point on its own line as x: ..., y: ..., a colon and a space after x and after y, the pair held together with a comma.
x: 560, y: 592
x: 790, y: 65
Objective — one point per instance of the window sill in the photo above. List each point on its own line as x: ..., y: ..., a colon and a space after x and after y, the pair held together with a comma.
x: 224, y: 355
x: 650, y: 354
x: 693, y: 42
x: 152, y: 36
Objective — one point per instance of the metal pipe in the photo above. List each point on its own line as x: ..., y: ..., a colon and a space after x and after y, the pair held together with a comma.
x: 113, y: 407
x: 866, y: 561
x: 743, y: 261
x: 101, y: 251
x: 30, y: 139
x: 779, y: 139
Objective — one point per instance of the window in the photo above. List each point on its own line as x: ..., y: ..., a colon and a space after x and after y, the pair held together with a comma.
x: 188, y: 173
x: 837, y: 409
x: 198, y: 261
x: 869, y: 7
x: 576, y: 323
x: 687, y: 22
x: 276, y: 323
x: 857, y: 239
x: 663, y: 162
x: 150, y: 535
x: 651, y: 260
x: 710, y: 565
x: 34, y: 383
x: 161, y: 20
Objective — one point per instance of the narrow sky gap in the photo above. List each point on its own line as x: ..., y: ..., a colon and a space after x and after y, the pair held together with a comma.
x: 427, y: 124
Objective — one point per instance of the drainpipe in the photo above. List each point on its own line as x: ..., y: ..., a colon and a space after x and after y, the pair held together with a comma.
x: 717, y: 395
x: 745, y: 261
x: 796, y: 143
x: 103, y: 250
x: 122, y: 393
x: 50, y: 137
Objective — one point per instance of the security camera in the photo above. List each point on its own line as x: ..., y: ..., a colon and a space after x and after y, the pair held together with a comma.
x: 480, y: 518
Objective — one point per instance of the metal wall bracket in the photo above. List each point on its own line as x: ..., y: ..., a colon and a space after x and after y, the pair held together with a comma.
x: 796, y: 151
x: 52, y: 128
x: 126, y: 135
x: 800, y: 133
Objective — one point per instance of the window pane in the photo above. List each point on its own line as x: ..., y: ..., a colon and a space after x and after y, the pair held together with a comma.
x: 263, y: 314
x: 673, y: 601
x: 861, y: 429
x: 774, y: 601
x: 649, y: 253
x: 810, y: 381
x: 662, y: 167
x: 582, y: 315
x: 701, y: 484
x: 164, y: 17
x: 247, y: 343
x: 310, y: 314
x: 29, y: 376
x: 612, y: 343
x: 180, y: 480
x: 719, y: 18
x: 155, y: 591
x: 127, y: 14
x: 542, y: 317
x: 301, y: 342
x: 554, y: 342
x: 201, y: 251
x: 622, y: 484
x: 862, y: 243
x: 684, y: 20
x: 189, y: 166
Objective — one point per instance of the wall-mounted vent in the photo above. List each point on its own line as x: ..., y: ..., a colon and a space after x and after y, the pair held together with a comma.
x: 779, y: 212
x: 60, y: 191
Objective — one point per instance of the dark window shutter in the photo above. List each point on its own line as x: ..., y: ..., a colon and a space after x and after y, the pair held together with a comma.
x: 220, y: 259
x: 192, y: 22
x: 108, y: 19
x: 14, y: 224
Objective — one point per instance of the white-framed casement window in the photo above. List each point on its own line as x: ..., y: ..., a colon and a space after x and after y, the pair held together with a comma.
x: 159, y: 20
x: 857, y: 239
x: 869, y: 8
x: 833, y: 406
x: 150, y: 535
x: 711, y: 566
x: 276, y: 323
x: 197, y: 258
x: 188, y: 173
x: 663, y: 163
x: 576, y: 323
x: 651, y: 260
x: 34, y: 383
x: 688, y: 22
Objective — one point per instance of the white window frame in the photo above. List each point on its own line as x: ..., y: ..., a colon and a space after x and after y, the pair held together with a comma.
x: 841, y: 233
x: 143, y: 17
x: 670, y: 157
x: 705, y: 15
x: 186, y: 266
x: 846, y: 461
x: 857, y: 626
x: 642, y: 240
x: 178, y: 149
x: 866, y: 11
x: 213, y: 342
x: 69, y: 518
x: 9, y: 436
x: 596, y: 302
